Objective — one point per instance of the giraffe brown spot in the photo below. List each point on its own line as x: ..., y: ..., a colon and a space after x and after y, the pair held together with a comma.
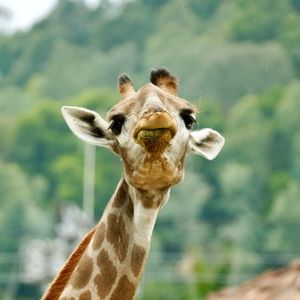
x: 106, y: 279
x: 161, y: 199
x: 129, y: 208
x: 82, y: 273
x: 99, y: 236
x: 137, y: 259
x: 146, y: 198
x: 147, y: 202
x: 86, y: 296
x: 116, y: 234
x: 125, y: 290
x: 121, y: 195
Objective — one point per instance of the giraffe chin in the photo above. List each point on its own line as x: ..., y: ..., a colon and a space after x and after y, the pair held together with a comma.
x: 154, y: 141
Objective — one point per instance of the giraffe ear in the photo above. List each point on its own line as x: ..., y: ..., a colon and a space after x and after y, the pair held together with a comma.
x: 206, y: 142
x: 88, y: 126
x: 165, y: 80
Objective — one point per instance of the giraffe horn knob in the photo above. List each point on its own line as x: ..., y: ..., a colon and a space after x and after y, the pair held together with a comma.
x: 125, y: 85
x: 165, y: 80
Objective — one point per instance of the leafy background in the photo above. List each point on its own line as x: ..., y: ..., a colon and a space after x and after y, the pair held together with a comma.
x: 232, y: 218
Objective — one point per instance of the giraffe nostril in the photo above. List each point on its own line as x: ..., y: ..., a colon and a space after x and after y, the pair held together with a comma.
x: 154, y: 109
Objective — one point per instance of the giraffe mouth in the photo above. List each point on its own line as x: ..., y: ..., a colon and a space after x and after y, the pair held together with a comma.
x: 155, y: 131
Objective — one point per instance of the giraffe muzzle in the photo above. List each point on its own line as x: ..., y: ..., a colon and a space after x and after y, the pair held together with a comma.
x: 154, y: 131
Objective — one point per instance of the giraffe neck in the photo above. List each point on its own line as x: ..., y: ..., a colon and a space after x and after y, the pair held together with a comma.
x: 112, y: 265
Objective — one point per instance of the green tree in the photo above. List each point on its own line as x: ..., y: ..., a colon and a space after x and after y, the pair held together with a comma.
x: 259, y: 20
x: 180, y: 216
x: 97, y: 71
x: 282, y: 237
x: 229, y: 72
x: 22, y: 215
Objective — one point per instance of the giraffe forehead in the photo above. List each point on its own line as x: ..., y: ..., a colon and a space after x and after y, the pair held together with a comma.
x: 151, y: 94
x: 146, y: 97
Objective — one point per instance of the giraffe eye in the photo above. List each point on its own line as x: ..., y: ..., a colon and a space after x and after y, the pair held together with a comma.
x: 116, y: 124
x: 188, y: 119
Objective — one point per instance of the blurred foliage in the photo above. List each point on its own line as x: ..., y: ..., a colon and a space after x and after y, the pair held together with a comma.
x: 238, y: 60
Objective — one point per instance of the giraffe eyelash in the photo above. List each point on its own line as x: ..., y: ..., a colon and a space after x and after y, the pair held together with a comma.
x: 188, y: 119
x: 116, y: 124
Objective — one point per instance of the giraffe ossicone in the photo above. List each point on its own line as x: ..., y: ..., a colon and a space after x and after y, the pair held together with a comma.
x: 151, y: 130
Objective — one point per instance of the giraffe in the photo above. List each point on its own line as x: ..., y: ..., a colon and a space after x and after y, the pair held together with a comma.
x: 151, y: 130
x: 275, y: 284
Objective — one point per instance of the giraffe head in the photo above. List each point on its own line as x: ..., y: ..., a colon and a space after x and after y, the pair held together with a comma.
x: 151, y: 129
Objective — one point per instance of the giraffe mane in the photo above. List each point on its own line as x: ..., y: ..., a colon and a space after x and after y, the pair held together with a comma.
x: 59, y: 283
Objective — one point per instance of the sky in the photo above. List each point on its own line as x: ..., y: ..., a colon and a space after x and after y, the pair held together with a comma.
x: 24, y: 13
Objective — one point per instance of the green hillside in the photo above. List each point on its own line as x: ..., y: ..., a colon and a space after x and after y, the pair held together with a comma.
x: 237, y: 60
